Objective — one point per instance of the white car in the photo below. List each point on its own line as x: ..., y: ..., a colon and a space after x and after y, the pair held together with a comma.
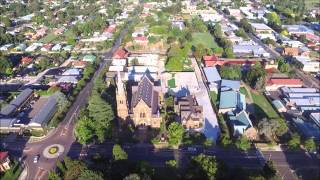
x: 36, y: 159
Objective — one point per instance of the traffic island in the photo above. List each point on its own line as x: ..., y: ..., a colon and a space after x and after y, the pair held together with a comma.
x: 53, y: 151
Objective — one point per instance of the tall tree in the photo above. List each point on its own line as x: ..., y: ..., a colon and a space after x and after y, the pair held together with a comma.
x: 230, y: 72
x: 90, y: 175
x: 118, y: 153
x: 175, y: 133
x: 203, y: 167
x: 84, y: 130
x: 310, y: 145
x: 243, y: 143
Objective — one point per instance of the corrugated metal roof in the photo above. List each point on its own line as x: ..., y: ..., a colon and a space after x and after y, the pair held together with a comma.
x: 46, y: 112
x: 212, y: 74
x: 7, y: 122
x: 17, y: 102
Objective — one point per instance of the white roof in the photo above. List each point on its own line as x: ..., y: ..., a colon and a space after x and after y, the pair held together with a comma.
x: 68, y: 79
x: 260, y: 26
x: 143, y: 68
x: 71, y: 72
x: 116, y: 68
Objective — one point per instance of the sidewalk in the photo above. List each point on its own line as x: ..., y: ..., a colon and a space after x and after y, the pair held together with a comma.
x: 24, y: 173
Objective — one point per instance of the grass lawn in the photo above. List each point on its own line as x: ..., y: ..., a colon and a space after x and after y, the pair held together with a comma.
x: 12, y: 173
x: 159, y: 29
x: 213, y: 97
x: 203, y: 38
x: 48, y: 38
x: 263, y: 107
x: 244, y: 91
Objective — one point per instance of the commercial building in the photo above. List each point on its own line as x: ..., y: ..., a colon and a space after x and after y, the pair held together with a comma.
x: 274, y: 84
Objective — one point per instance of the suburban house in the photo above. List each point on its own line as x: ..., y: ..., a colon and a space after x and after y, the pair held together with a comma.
x: 46, y: 47
x: 292, y: 43
x: 71, y: 72
x: 191, y: 114
x: 298, y: 30
x: 213, y: 78
x: 4, y: 161
x: 289, y: 51
x: 26, y: 60
x: 143, y: 59
x: 79, y: 64
x: 56, y: 47
x: 142, y: 107
x: 261, y: 28
x: 249, y: 50
x: 274, y: 84
x: 241, y: 125
x: 231, y: 101
x: 308, y: 64
x: 89, y: 58
x: 68, y: 79
x: 178, y: 24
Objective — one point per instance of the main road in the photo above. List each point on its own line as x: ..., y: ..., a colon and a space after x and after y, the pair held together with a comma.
x: 63, y: 134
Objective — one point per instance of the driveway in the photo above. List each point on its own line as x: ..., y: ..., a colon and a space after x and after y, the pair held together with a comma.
x: 211, y: 127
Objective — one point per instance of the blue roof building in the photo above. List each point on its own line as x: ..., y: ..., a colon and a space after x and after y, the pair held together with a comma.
x: 231, y: 101
x: 227, y: 85
x: 239, y: 123
x: 213, y: 78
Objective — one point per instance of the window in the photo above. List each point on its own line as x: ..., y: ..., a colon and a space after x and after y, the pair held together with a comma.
x: 142, y: 115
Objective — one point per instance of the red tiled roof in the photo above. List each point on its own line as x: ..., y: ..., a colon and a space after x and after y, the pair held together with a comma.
x: 79, y: 63
x: 210, y: 58
x: 285, y: 82
x: 110, y: 29
x: 140, y: 38
x: 3, y: 155
x: 120, y: 54
x: 26, y: 60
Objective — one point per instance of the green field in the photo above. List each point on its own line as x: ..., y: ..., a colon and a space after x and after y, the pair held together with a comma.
x: 159, y: 29
x: 263, y: 108
x: 204, y: 38
x: 48, y: 38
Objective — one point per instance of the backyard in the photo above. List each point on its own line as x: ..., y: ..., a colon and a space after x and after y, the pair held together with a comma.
x: 48, y: 38
x: 263, y: 108
x: 204, y: 38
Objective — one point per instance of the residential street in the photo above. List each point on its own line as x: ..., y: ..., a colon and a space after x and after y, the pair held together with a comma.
x: 63, y: 135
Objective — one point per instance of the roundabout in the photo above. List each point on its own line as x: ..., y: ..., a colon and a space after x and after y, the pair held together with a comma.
x: 53, y: 151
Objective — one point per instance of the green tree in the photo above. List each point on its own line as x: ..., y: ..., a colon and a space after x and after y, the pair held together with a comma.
x: 244, y: 23
x: 217, y: 32
x: 175, y: 133
x: 228, y: 53
x: 74, y: 168
x: 294, y: 142
x: 274, y: 20
x: 171, y: 163
x: 203, y: 167
x: 84, y: 130
x: 241, y: 33
x: 269, y: 170
x: 118, y: 153
x: 90, y: 175
x: 283, y: 66
x: 255, y: 73
x: 5, y: 65
x: 102, y: 115
x: 310, y: 145
x: 230, y: 72
x: 243, y: 143
x: 132, y: 177
x: 174, y: 64
x: 53, y: 176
